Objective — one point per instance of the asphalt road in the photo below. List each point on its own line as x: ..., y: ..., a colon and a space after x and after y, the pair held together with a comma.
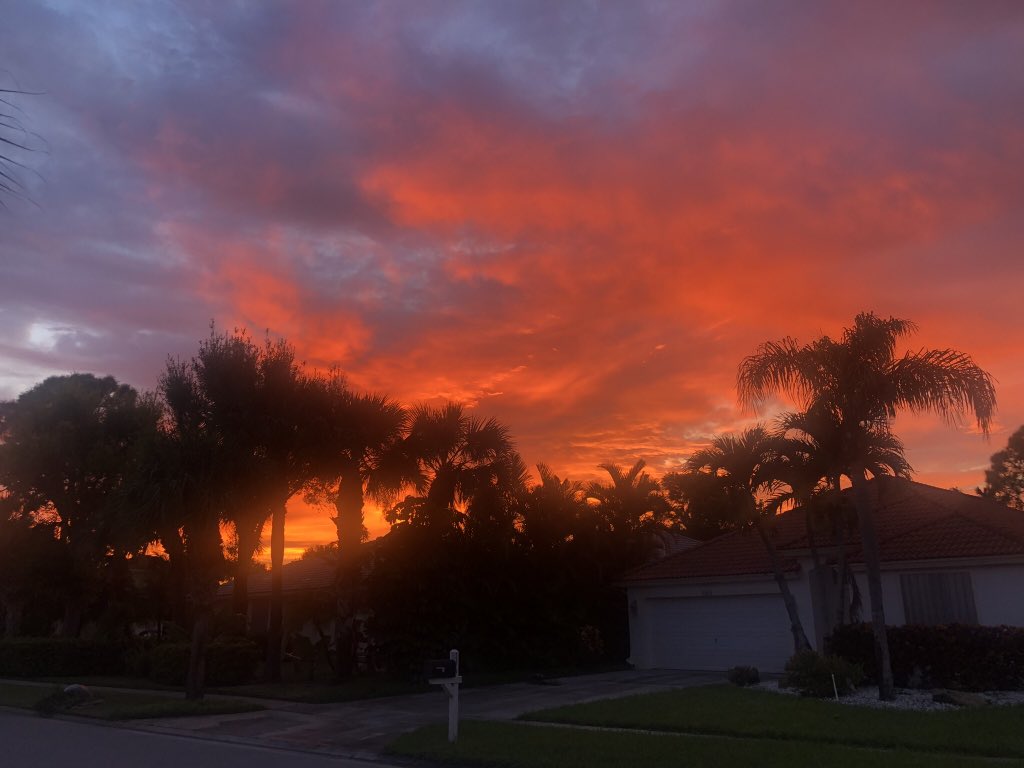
x: 28, y: 741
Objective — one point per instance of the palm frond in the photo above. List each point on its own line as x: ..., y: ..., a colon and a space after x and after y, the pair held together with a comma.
x: 945, y: 382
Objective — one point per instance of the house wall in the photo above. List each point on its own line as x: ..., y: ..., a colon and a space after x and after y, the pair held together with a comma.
x: 998, y: 595
x: 998, y: 591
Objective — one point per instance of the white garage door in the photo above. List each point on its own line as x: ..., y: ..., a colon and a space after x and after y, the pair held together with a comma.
x: 716, y: 633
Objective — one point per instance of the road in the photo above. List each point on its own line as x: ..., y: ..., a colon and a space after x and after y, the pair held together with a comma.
x: 28, y: 741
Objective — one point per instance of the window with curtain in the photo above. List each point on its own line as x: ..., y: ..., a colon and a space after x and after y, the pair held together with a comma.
x: 938, y: 598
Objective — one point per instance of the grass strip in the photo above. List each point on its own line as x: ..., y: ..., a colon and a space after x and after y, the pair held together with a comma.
x: 730, y: 711
x: 124, y: 705
x: 517, y: 745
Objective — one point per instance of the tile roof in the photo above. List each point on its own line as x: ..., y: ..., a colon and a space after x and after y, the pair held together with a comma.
x: 914, y: 522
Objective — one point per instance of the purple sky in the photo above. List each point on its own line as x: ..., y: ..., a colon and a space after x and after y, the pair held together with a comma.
x: 577, y: 217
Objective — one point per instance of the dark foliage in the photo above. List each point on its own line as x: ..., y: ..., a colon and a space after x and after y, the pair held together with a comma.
x: 813, y: 674
x: 42, y: 657
x: 744, y: 676
x: 1004, y: 479
x: 960, y: 656
x: 227, y: 662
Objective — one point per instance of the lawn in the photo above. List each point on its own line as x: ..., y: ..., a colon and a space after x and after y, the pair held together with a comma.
x: 727, y: 727
x: 124, y: 705
x: 518, y: 745
x: 316, y: 692
x: 727, y: 710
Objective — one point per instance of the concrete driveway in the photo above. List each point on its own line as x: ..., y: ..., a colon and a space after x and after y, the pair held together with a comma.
x: 362, y: 729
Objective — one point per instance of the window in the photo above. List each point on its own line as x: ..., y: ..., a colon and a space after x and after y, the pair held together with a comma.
x: 938, y: 598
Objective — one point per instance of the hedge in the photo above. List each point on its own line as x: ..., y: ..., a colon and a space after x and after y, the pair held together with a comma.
x: 46, y: 657
x: 960, y: 656
x: 227, y: 662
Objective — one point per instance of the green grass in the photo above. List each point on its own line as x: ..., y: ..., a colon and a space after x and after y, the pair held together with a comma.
x: 515, y: 745
x: 325, y: 693
x: 112, y: 681
x: 730, y: 711
x: 21, y: 696
x: 124, y: 705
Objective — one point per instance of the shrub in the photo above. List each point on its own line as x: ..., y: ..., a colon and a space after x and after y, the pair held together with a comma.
x: 744, y: 676
x: 959, y: 656
x: 821, y: 676
x: 45, y: 657
x: 227, y: 663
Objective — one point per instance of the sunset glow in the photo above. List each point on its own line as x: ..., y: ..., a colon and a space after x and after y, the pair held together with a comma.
x: 575, y: 218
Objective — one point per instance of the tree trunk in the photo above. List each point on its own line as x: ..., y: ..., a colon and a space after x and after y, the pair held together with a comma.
x: 240, y: 590
x: 196, y: 679
x: 177, y: 576
x: 872, y: 561
x: 204, y: 562
x: 843, y: 609
x: 275, y: 632
x: 824, y: 589
x: 72, y: 623
x: 349, y: 524
x: 800, y: 642
x: 248, y: 537
x: 13, y: 611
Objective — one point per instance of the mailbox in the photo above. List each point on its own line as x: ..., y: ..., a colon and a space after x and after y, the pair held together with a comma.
x: 438, y: 668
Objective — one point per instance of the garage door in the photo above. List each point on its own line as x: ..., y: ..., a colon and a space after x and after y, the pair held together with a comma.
x: 716, y: 633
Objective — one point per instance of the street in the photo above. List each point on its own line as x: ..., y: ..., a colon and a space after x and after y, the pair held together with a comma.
x: 28, y: 741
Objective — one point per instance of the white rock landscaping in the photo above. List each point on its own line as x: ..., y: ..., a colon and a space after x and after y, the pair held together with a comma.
x: 906, y: 698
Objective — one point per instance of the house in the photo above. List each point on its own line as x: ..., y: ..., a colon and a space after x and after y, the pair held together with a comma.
x: 946, y: 557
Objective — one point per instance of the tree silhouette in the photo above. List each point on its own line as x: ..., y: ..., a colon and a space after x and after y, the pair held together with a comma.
x: 65, y: 446
x: 184, y: 485
x: 810, y: 450
x: 863, y: 384
x: 361, y: 454
x: 461, y: 459
x: 747, y: 467
x: 1004, y: 479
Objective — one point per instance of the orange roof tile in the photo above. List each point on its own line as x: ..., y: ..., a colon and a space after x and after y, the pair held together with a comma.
x: 914, y: 522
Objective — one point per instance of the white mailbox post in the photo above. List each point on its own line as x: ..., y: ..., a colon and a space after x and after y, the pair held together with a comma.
x: 450, y: 683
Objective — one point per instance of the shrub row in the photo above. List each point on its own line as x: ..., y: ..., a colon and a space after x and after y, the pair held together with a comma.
x: 227, y: 662
x: 40, y: 657
x: 960, y: 656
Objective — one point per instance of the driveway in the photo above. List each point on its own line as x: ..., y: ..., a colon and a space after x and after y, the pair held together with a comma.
x: 362, y: 729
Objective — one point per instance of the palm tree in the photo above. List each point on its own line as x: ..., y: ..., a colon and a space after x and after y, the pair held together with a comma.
x: 624, y: 515
x: 260, y: 406
x: 863, y: 384
x: 362, y: 456
x: 462, y: 459
x: 15, y: 141
x: 810, y: 449
x: 553, y: 509
x: 180, y: 487
x: 747, y: 467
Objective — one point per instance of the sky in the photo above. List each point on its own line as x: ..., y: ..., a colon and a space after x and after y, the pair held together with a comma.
x: 576, y: 217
